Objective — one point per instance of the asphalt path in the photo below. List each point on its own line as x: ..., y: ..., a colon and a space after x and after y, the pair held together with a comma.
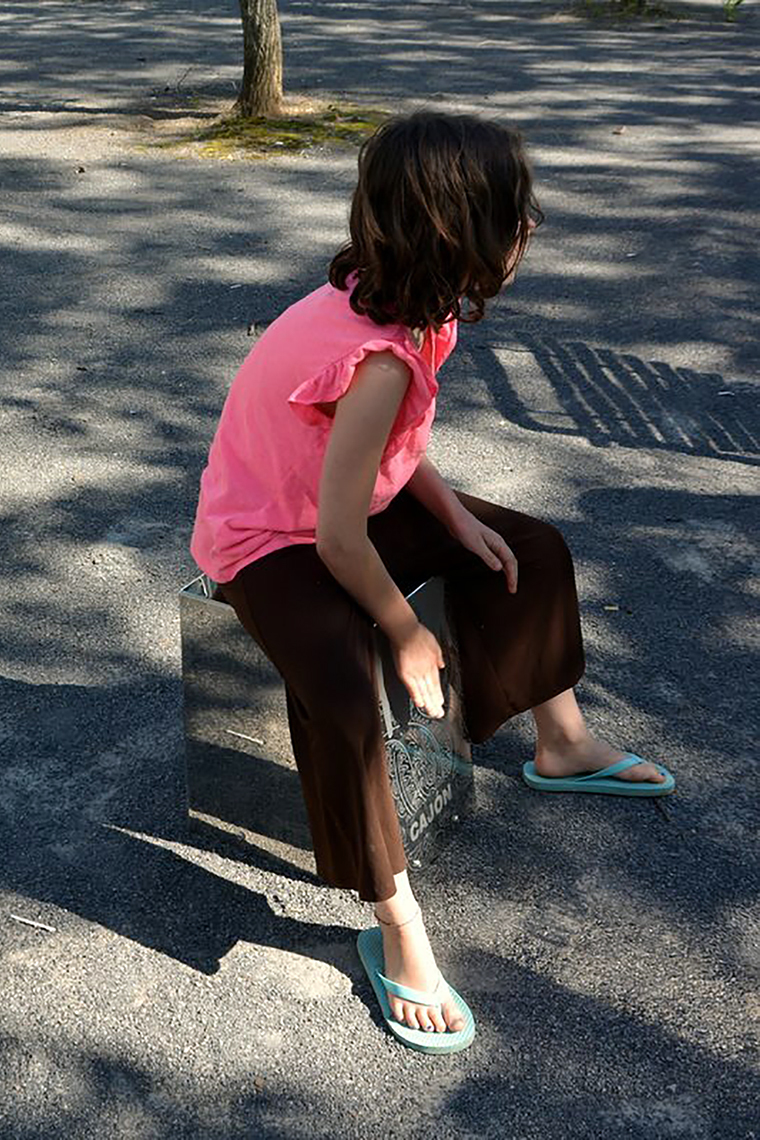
x: 608, y: 947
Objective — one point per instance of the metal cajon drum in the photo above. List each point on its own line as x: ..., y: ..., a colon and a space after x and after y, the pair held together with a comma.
x: 241, y: 774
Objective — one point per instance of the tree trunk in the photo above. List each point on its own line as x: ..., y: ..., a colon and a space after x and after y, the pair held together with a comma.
x: 261, y: 89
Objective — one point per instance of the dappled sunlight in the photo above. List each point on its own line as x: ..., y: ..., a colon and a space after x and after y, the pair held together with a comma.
x: 714, y: 550
x: 533, y: 1040
x: 602, y: 269
x: 603, y: 905
x: 744, y: 922
x: 31, y: 237
x: 153, y: 1076
x: 69, y: 37
x: 736, y: 631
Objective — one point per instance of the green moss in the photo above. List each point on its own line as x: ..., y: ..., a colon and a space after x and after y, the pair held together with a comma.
x: 625, y: 10
x: 258, y: 137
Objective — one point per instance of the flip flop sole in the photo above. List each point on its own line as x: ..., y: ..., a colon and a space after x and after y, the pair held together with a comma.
x: 611, y: 786
x: 370, y: 947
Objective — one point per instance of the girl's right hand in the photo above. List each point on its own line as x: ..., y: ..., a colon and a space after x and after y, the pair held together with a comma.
x: 418, y: 659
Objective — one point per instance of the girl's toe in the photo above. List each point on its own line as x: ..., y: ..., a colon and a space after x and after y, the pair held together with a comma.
x: 438, y: 1022
x: 411, y: 1018
x: 397, y: 1008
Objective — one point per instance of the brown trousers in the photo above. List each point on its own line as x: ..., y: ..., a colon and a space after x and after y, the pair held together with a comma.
x: 516, y: 651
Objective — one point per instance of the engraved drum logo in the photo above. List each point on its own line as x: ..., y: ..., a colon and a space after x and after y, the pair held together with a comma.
x: 419, y: 762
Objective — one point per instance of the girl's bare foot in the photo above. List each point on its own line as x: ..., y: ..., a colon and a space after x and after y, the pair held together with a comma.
x: 584, y: 753
x: 565, y: 747
x: 409, y: 961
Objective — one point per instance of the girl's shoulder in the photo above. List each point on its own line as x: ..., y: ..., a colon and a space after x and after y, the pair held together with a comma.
x: 325, y: 304
x: 322, y: 323
x: 322, y: 328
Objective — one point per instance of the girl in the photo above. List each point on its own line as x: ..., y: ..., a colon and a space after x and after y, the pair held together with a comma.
x: 319, y: 510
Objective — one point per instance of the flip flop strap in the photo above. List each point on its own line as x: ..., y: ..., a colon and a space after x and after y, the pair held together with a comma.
x: 407, y: 994
x: 628, y: 761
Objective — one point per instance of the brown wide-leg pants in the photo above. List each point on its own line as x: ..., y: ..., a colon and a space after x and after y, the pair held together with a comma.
x: 516, y: 651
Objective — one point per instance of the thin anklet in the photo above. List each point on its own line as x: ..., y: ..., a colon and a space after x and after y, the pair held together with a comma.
x: 405, y: 923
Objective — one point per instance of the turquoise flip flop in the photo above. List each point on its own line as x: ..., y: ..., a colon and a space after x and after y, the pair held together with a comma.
x: 602, y: 781
x: 370, y: 946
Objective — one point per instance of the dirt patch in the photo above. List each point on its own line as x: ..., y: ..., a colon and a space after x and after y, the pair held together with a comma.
x: 647, y: 12
x: 187, y: 126
x: 206, y: 128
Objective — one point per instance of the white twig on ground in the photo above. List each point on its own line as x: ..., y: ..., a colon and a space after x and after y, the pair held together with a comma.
x: 31, y: 922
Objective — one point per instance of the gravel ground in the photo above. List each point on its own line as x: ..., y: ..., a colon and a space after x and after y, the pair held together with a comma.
x: 609, y: 948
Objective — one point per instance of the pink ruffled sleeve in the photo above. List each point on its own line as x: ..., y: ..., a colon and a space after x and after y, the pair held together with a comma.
x: 332, y: 382
x: 446, y: 342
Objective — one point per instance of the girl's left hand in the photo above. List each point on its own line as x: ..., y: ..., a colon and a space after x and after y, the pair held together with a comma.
x: 488, y: 545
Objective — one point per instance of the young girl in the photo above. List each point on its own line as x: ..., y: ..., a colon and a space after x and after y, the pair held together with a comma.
x: 319, y: 510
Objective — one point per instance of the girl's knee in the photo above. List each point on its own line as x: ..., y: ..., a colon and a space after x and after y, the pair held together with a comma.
x: 547, y: 548
x: 554, y: 538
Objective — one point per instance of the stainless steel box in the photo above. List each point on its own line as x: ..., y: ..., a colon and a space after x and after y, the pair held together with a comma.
x: 241, y: 775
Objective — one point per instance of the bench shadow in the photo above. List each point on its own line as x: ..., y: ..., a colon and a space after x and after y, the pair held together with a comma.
x: 572, y: 388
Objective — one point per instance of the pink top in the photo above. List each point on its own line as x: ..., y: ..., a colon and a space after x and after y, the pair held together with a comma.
x: 259, y: 490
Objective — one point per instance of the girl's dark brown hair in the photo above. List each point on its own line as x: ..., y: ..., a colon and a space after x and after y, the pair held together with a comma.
x: 440, y: 213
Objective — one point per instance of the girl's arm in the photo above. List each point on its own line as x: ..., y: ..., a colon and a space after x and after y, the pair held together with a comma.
x: 363, y: 419
x: 434, y: 493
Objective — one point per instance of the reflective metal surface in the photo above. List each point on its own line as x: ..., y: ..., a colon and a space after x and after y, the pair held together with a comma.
x: 241, y: 775
x: 429, y: 760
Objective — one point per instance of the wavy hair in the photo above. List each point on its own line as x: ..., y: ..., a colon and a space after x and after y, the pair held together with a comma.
x: 441, y: 213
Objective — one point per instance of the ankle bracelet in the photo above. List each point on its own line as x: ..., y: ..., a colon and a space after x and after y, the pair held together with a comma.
x: 405, y: 923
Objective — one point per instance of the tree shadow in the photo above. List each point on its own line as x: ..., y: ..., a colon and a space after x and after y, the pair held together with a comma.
x: 529, y: 1072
